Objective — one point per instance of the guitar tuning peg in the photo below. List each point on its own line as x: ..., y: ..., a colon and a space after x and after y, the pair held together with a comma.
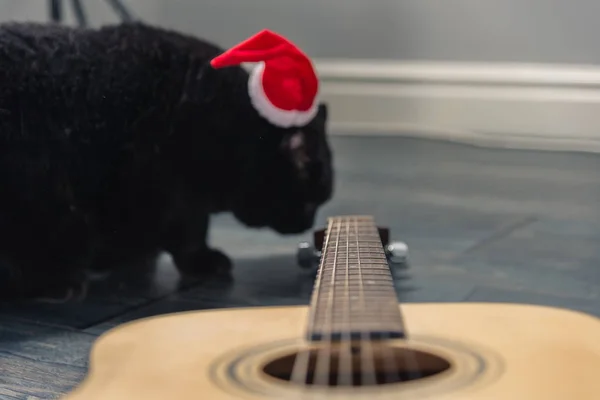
x: 307, y: 256
x: 397, y: 252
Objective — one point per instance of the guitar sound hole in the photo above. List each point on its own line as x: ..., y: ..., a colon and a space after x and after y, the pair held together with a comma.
x: 389, y: 365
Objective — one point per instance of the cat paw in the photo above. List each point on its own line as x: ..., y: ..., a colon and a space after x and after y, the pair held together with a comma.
x: 205, y: 262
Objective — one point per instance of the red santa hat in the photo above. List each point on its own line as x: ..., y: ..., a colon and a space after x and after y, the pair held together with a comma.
x: 283, y: 87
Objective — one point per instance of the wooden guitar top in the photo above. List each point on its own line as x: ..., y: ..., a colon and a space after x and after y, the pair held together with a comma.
x: 495, y: 351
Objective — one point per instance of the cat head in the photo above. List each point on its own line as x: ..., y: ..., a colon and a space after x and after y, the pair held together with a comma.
x: 288, y: 175
x: 289, y: 168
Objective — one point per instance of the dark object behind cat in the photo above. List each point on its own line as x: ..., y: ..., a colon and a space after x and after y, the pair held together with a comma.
x: 118, y: 143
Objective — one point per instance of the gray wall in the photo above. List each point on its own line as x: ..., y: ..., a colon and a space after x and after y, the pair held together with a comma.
x: 547, y: 31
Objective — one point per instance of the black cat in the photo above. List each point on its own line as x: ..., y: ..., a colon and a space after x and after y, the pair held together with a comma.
x: 118, y: 143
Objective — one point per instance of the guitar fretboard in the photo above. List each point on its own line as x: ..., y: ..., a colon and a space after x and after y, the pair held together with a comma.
x: 354, y: 295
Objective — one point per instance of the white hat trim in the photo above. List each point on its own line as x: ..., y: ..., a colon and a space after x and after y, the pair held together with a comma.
x: 276, y: 116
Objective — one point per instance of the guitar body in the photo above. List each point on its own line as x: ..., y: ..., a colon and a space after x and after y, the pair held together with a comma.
x: 463, y: 351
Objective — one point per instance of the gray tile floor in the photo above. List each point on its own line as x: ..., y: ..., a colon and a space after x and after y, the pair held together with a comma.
x: 481, y: 224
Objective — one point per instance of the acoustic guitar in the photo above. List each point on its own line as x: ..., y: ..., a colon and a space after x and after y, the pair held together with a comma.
x: 352, y: 342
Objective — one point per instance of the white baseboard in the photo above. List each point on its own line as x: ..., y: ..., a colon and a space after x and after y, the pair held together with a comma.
x: 549, y: 107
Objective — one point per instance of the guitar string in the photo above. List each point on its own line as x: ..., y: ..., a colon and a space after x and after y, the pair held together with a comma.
x: 345, y: 368
x: 300, y: 369
x: 367, y: 357
x: 323, y: 364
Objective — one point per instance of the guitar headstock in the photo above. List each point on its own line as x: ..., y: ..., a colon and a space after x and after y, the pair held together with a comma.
x: 309, y: 254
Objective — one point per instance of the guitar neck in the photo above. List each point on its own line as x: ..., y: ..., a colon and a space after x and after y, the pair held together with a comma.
x: 354, y: 295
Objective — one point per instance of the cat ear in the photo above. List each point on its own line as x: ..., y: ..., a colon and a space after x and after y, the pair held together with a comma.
x: 322, y: 112
x: 319, y: 122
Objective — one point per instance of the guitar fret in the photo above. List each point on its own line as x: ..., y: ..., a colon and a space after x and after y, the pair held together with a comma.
x: 356, y: 284
x: 340, y: 277
x: 357, y: 281
x: 341, y: 283
x: 351, y: 271
x: 371, y: 269
x: 362, y: 263
x: 374, y: 271
x: 363, y: 257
